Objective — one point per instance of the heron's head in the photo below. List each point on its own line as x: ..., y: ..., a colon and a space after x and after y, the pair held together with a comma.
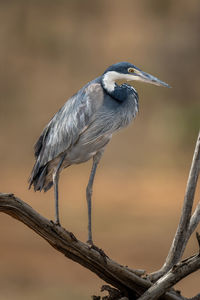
x: 128, y: 72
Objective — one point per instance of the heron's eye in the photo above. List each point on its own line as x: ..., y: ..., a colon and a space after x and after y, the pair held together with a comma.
x: 131, y: 70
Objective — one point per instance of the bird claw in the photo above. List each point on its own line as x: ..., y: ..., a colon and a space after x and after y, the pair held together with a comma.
x: 55, y: 223
x: 99, y: 250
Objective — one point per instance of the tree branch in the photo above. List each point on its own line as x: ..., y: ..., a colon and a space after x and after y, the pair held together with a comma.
x: 177, y: 273
x: 64, y: 241
x: 186, y: 226
x: 121, y: 277
x: 129, y: 283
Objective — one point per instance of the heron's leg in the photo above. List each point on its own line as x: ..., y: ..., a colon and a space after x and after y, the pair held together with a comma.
x: 55, y: 182
x: 96, y: 160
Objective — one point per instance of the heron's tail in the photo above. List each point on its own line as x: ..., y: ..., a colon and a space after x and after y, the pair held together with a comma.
x: 39, y: 178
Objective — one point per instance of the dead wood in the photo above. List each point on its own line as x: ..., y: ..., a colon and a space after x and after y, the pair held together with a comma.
x: 126, y: 283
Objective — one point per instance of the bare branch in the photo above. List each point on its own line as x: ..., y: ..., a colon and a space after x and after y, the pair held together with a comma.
x: 129, y: 282
x: 185, y: 227
x: 123, y: 278
x: 117, y: 275
x: 178, y: 272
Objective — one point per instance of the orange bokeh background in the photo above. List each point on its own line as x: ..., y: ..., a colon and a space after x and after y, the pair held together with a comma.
x: 49, y: 49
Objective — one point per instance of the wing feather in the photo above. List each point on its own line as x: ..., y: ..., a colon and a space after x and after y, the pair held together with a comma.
x: 68, y: 123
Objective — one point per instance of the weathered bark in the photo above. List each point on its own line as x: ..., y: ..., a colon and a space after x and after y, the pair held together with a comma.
x: 124, y: 279
x: 178, y: 272
x: 187, y: 224
x: 129, y: 283
x: 64, y: 241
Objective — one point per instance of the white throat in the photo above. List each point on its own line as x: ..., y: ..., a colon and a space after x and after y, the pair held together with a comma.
x: 110, y: 78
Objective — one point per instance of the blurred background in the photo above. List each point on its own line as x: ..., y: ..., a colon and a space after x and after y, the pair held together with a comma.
x: 49, y: 49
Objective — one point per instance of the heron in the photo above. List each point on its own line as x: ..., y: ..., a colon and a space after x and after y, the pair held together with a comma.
x: 84, y: 125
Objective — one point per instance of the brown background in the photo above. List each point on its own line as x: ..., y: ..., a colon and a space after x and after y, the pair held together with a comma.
x: 48, y: 50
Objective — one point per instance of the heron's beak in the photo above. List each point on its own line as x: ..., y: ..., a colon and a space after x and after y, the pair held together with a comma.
x: 145, y: 77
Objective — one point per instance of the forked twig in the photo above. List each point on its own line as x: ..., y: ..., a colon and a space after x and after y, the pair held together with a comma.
x: 178, y: 272
x: 187, y: 224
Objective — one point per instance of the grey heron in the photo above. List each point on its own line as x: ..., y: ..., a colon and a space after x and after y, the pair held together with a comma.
x: 82, y: 128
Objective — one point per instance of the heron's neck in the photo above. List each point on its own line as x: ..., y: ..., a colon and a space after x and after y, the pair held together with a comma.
x: 112, y: 88
x: 108, y: 81
x: 118, y: 92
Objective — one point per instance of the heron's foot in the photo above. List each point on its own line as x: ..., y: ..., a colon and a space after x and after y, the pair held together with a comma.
x: 90, y: 242
x: 57, y: 223
x: 99, y: 250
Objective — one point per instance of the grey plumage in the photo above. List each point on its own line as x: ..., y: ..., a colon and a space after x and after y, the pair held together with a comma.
x: 81, y: 129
